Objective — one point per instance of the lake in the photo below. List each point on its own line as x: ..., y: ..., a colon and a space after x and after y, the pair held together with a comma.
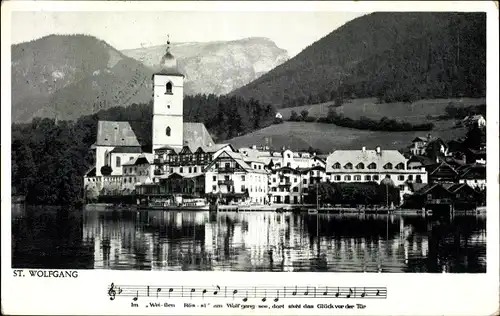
x: 63, y: 238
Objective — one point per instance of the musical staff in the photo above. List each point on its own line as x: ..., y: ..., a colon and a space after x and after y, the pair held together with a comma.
x: 245, y: 293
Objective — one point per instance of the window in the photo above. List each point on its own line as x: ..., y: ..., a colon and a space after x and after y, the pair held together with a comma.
x: 118, y: 161
x: 274, y: 179
x: 388, y: 176
x: 410, y: 177
x: 214, y: 178
x: 169, y: 88
x: 429, y: 196
x: 347, y: 178
x: 190, y: 170
x: 295, y: 189
x: 357, y: 178
x: 288, y: 164
x: 171, y: 170
x: 195, y: 169
x: 368, y: 178
x: 167, y: 132
x: 348, y: 165
x: 181, y: 170
x: 226, y: 178
x: 388, y: 165
x: 372, y: 166
x: 402, y: 187
x: 375, y: 178
x: 227, y: 165
x: 242, y: 188
x: 295, y: 180
x: 360, y: 166
x: 125, y: 180
x: 401, y: 178
x: 337, y: 178
x: 336, y: 165
x: 168, y: 106
x: 214, y: 188
x: 304, y: 181
x: 400, y: 166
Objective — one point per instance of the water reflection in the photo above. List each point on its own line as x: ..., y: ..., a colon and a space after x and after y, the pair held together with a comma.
x: 159, y: 240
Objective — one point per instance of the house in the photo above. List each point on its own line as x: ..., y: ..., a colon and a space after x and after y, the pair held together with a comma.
x: 279, y: 116
x: 474, y: 175
x: 477, y: 120
x: 233, y: 180
x: 371, y: 166
x: 136, y: 171
x: 418, y: 145
x: 474, y: 155
x: 441, y: 172
x: 436, y: 147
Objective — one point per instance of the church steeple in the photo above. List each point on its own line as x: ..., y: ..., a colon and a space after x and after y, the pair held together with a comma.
x: 168, y: 62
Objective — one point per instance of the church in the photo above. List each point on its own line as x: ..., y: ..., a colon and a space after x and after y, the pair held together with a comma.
x: 123, y: 152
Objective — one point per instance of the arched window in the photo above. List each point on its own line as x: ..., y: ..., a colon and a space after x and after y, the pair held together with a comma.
x: 336, y: 165
x: 169, y: 88
x: 357, y: 178
x: 400, y: 166
x: 348, y: 165
x: 372, y: 166
x: 368, y: 178
x: 388, y: 165
x: 360, y: 166
x: 347, y: 178
x: 167, y: 132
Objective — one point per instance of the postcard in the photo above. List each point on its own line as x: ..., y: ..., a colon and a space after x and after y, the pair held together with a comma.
x: 250, y: 158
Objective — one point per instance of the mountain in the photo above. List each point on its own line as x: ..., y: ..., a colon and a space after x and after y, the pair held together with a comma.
x: 217, y: 67
x: 394, y: 56
x: 73, y: 75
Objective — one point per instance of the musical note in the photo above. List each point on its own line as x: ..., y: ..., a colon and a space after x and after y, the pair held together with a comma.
x: 364, y: 292
x: 191, y: 293
x: 295, y: 292
x: 158, y: 290
x: 350, y: 292
x: 234, y: 293
x: 203, y: 293
x: 148, y: 290
x: 326, y: 291
x: 306, y: 292
x: 112, y: 292
x: 338, y: 292
x: 136, y: 296
x: 277, y: 296
x: 265, y: 296
x: 246, y: 297
x: 378, y: 292
x: 169, y: 291
x: 217, y: 291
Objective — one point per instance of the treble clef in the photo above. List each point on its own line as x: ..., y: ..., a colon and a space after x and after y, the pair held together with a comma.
x: 112, y: 292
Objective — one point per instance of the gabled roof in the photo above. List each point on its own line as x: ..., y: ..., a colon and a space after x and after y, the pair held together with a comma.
x: 141, y: 160
x: 282, y: 169
x: 420, y: 139
x: 473, y: 171
x: 433, y: 168
x: 117, y: 133
x: 367, y: 157
x: 196, y: 135
x: 237, y: 157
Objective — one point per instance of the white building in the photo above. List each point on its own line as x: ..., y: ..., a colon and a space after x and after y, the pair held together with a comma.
x: 371, y: 166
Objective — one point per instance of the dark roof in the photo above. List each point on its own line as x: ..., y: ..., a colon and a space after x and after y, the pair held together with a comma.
x: 414, y: 186
x: 287, y: 169
x: 169, y: 73
x: 424, y: 160
x: 473, y: 171
x: 433, y: 168
x: 420, y: 139
x: 126, y: 149
x: 90, y: 172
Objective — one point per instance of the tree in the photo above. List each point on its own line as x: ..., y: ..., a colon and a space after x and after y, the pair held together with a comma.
x: 294, y: 116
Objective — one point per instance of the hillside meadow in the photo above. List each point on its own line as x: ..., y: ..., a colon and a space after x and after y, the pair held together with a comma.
x: 329, y: 137
x: 415, y: 113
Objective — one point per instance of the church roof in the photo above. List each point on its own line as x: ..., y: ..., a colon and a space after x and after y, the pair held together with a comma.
x: 126, y: 150
x: 366, y: 157
x: 196, y: 135
x: 123, y: 133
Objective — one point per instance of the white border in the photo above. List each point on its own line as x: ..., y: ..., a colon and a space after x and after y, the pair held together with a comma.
x: 409, y: 294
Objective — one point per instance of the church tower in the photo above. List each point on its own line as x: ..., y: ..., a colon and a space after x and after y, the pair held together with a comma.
x: 168, y: 92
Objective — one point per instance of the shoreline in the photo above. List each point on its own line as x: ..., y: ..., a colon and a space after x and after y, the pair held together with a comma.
x: 276, y: 208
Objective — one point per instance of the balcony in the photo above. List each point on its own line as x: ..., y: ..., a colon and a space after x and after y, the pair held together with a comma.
x: 285, y: 183
x: 226, y: 170
x: 225, y: 182
x: 159, y: 172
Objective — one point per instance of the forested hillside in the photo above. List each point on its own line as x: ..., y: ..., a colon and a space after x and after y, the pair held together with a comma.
x: 392, y: 56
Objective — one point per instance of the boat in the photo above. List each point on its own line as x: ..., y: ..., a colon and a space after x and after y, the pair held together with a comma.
x: 312, y: 211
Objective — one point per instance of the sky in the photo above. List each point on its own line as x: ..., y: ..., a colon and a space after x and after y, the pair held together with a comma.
x: 292, y: 31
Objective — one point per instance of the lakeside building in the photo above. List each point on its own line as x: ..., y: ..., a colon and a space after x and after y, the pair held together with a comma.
x: 372, y: 166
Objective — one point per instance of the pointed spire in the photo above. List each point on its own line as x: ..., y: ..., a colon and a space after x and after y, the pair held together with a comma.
x: 168, y: 43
